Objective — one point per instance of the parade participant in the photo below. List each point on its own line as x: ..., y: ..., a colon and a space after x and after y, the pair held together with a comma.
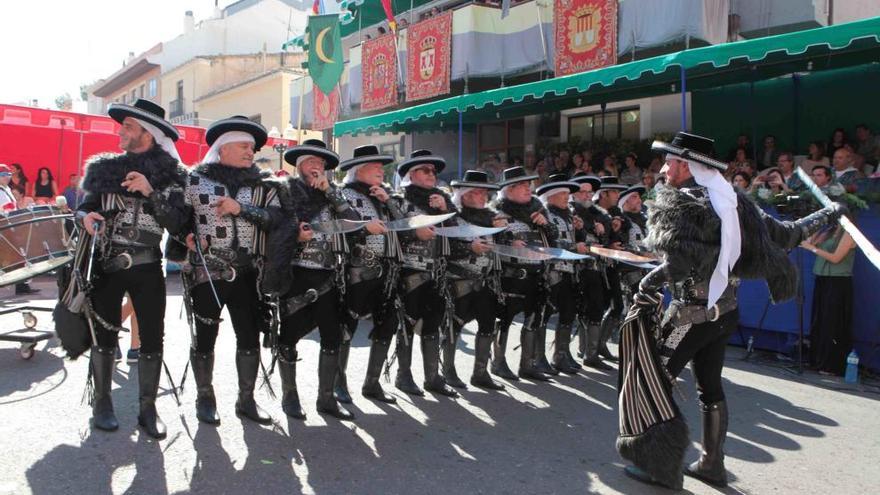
x: 371, y: 277
x: 618, y: 235
x: 471, y: 267
x: 520, y: 279
x: 561, y: 278
x: 630, y: 203
x: 708, y: 236
x: 314, y: 300
x: 424, y: 304
x: 234, y: 204
x: 131, y: 199
x: 592, y: 283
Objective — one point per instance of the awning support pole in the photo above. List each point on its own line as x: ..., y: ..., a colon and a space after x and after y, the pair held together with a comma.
x: 460, y: 144
x: 684, y: 120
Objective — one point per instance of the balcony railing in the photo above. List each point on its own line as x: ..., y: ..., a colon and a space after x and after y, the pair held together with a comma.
x: 177, y: 108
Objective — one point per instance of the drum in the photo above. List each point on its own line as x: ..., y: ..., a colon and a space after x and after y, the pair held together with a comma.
x: 33, y: 241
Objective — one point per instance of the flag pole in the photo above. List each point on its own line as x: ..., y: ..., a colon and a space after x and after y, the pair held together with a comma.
x: 299, y: 119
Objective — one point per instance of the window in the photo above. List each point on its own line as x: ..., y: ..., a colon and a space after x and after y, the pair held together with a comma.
x: 134, y: 94
x: 124, y: 99
x: 141, y: 91
x: 615, y: 124
x: 505, y: 139
x: 392, y: 149
x: 152, y: 88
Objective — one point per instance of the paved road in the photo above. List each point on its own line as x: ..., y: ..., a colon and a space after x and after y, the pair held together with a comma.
x: 788, y: 434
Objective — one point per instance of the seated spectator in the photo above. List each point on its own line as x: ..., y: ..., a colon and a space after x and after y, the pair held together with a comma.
x: 741, y: 181
x: 19, y: 180
x: 769, y: 183
x: 740, y: 159
x: 742, y: 142
x: 72, y: 193
x: 823, y: 177
x: 649, y: 180
x: 838, y: 140
x: 609, y: 165
x: 769, y: 154
x: 45, y: 188
x: 844, y: 170
x: 656, y: 164
x: 632, y: 174
x: 867, y: 147
x: 577, y: 163
x: 816, y: 156
x: 7, y: 197
x: 785, y: 163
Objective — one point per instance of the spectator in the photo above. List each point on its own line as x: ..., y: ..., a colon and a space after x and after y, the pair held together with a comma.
x: 72, y: 193
x: 769, y: 183
x: 565, y: 158
x: 769, y: 155
x: 742, y: 142
x: 609, y: 165
x: 831, y: 332
x: 656, y: 165
x: 577, y: 163
x: 785, y: 162
x: 741, y: 181
x: 740, y: 159
x: 632, y: 174
x: 19, y: 180
x: 7, y: 197
x: 838, y: 140
x: 541, y: 169
x: 844, y: 171
x: 649, y: 180
x: 867, y: 147
x: 816, y: 156
x: 45, y: 188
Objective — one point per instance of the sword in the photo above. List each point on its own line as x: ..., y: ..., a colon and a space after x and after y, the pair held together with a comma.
x: 520, y: 252
x: 861, y: 241
x: 342, y: 226
x: 96, y: 226
x: 198, y: 243
x: 467, y: 231
x: 417, y: 222
x: 561, y: 254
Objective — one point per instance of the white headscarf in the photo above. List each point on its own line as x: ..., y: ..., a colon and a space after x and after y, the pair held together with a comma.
x: 165, y: 142
x: 351, y: 174
x: 544, y: 197
x: 459, y: 192
x: 723, y: 199
x: 213, y: 155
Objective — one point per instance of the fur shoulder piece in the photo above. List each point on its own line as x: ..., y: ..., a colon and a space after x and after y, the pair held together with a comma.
x: 233, y: 177
x: 105, y: 172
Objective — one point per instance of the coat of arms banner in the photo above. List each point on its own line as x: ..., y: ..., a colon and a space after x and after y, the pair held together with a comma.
x: 586, y: 35
x: 429, y: 56
x: 379, y: 78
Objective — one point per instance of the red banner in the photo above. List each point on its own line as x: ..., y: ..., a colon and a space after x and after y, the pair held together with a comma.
x: 429, y: 55
x: 586, y: 35
x: 379, y: 73
x: 326, y: 108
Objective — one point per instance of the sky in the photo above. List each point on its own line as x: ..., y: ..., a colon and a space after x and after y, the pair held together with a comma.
x: 53, y: 47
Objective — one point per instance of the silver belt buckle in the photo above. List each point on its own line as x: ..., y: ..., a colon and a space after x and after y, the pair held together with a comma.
x: 717, y: 313
x: 129, y: 262
x: 229, y: 275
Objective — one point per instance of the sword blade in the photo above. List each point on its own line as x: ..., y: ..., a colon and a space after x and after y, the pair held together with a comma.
x: 520, y: 253
x: 561, y: 254
x: 467, y: 231
x: 417, y: 222
x: 342, y: 226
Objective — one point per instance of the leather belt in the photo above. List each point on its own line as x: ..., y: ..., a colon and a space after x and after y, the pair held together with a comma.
x: 199, y: 275
x: 361, y: 256
x: 293, y: 304
x: 140, y: 236
x: 358, y: 274
x: 518, y: 273
x: 314, y: 254
x: 680, y: 313
x: 123, y: 259
x: 414, y: 281
x: 461, y: 288
x: 460, y: 271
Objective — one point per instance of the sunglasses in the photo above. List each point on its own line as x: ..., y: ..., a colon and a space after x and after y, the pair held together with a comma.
x: 429, y: 171
x: 5, y: 174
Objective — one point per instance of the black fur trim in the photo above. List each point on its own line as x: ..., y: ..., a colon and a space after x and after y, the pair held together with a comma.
x: 419, y: 197
x: 105, y: 172
x: 307, y: 200
x: 483, y: 217
x: 521, y: 212
x: 232, y: 177
x: 659, y: 451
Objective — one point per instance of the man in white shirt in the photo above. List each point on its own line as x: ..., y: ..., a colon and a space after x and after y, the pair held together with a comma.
x: 7, y: 199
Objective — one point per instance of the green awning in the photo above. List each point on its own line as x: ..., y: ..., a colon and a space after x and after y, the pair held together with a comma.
x: 366, y: 13
x: 830, y: 47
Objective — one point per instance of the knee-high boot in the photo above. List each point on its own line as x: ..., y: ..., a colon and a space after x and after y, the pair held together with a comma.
x: 341, y: 388
x: 609, y: 324
x: 149, y: 371
x: 289, y: 395
x: 499, y: 350
x: 434, y: 382
x: 203, y: 372
x: 561, y: 354
x: 710, y: 466
x: 481, y: 377
x: 247, y: 363
x: 528, y: 341
x: 591, y: 358
x: 582, y: 338
x: 103, y: 361
x: 404, y: 380
x: 449, y: 348
x: 372, y: 388
x: 541, y: 362
x: 328, y: 365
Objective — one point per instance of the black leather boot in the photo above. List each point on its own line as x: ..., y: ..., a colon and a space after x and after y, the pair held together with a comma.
x: 247, y: 363
x: 434, y: 382
x: 609, y: 324
x: 710, y: 466
x: 328, y: 366
x: 340, y: 391
x: 289, y: 395
x: 449, y: 373
x: 561, y: 354
x: 541, y: 362
x: 372, y: 389
x: 149, y: 371
x: 404, y: 380
x: 499, y: 348
x: 481, y: 377
x: 582, y: 339
x: 103, y: 362
x: 591, y: 358
x: 203, y: 372
x: 527, y: 369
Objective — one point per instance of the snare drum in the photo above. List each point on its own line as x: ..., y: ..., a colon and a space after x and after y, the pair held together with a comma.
x: 33, y: 241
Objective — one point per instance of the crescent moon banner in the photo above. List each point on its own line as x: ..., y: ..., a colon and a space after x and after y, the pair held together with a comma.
x: 325, y: 51
x: 429, y: 56
x: 586, y: 35
x: 379, y: 80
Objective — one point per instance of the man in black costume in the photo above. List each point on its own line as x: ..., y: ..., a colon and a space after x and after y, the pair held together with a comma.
x: 135, y: 196
x: 234, y: 205
x: 617, y: 227
x: 708, y: 237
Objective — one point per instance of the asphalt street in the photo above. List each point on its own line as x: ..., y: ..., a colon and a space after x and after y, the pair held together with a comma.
x: 788, y: 433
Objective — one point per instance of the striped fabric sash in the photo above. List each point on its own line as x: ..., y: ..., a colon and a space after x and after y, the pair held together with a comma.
x: 262, y: 197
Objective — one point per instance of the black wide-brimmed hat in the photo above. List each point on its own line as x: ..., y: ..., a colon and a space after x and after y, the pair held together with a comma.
x: 691, y: 147
x: 513, y: 175
x: 421, y: 157
x: 475, y: 178
x: 634, y: 189
x: 237, y: 123
x: 584, y: 178
x: 611, y: 182
x: 558, y: 181
x: 368, y: 153
x: 314, y: 147
x: 144, y: 110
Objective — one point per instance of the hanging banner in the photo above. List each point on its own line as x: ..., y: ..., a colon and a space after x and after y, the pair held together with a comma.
x: 326, y: 108
x: 379, y: 80
x: 429, y: 56
x: 586, y: 35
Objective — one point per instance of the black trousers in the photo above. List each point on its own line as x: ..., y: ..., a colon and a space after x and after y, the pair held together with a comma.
x: 323, y: 313
x: 704, y: 346
x: 146, y: 286
x: 592, y: 295
x: 614, y: 294
x: 241, y: 298
x: 520, y: 296
x: 368, y: 297
x: 423, y: 303
x: 479, y: 305
x: 562, y: 297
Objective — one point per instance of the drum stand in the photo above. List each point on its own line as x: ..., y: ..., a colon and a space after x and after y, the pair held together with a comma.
x: 29, y: 336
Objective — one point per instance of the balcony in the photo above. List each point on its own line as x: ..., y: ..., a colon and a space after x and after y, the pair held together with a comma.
x: 177, y: 108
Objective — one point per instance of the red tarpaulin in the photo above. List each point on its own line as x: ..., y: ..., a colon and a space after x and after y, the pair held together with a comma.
x: 586, y: 35
x: 429, y: 54
x: 326, y: 108
x: 379, y: 62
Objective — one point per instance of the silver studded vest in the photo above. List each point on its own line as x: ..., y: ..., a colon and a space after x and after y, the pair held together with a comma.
x: 375, y: 243
x: 565, y: 240
x: 224, y: 232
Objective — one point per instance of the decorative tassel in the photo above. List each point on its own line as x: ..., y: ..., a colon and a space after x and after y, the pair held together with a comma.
x: 266, y: 382
x: 183, y: 378
x: 171, y: 381
x: 89, y: 392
